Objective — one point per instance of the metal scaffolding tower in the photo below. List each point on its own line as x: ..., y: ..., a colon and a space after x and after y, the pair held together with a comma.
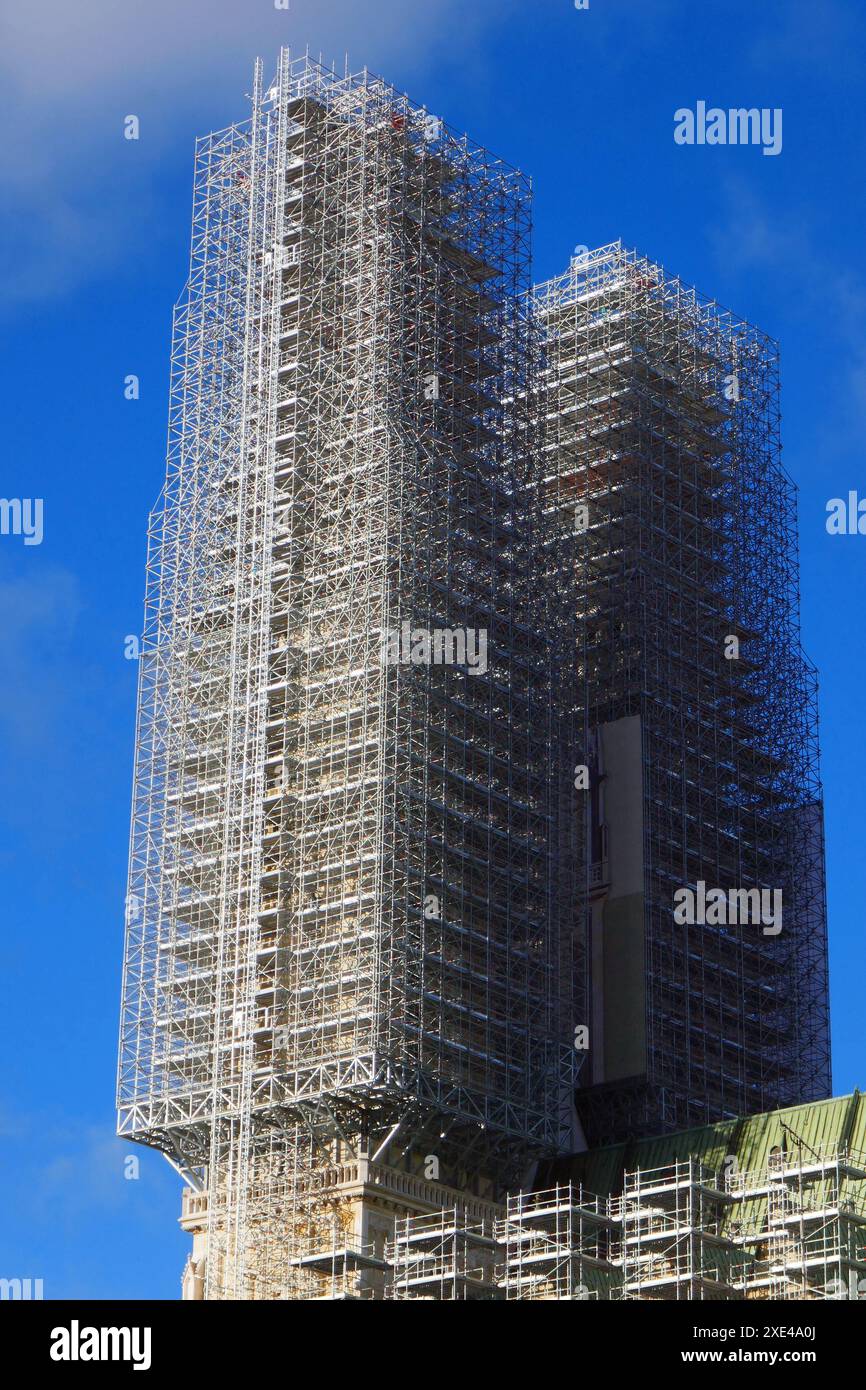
x: 559, y: 1244
x: 793, y: 1228
x: 661, y: 440
x: 351, y: 929
x: 428, y: 540
x: 674, y: 1243
x: 803, y: 1223
x: 444, y: 1256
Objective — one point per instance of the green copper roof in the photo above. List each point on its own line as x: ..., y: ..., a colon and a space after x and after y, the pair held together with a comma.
x: 818, y: 1127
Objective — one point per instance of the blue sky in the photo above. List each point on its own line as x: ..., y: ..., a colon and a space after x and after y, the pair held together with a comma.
x: 95, y: 241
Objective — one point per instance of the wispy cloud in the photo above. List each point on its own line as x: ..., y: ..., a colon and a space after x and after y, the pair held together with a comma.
x: 785, y: 246
x: 82, y: 199
x: 65, y: 1177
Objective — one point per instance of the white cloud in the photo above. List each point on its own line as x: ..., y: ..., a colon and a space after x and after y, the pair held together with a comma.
x: 815, y: 288
x: 80, y: 196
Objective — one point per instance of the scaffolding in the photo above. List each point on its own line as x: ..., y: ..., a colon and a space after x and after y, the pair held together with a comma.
x: 363, y: 896
x: 673, y: 1236
x: 790, y: 1228
x: 351, y: 929
x: 444, y: 1256
x: 559, y: 1244
x: 661, y: 436
x: 794, y: 1228
x: 802, y: 1220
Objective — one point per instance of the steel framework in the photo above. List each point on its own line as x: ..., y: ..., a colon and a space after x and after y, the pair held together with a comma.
x: 444, y: 1256
x: 361, y: 886
x: 558, y: 1244
x: 793, y: 1228
x: 349, y: 927
x: 661, y: 419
